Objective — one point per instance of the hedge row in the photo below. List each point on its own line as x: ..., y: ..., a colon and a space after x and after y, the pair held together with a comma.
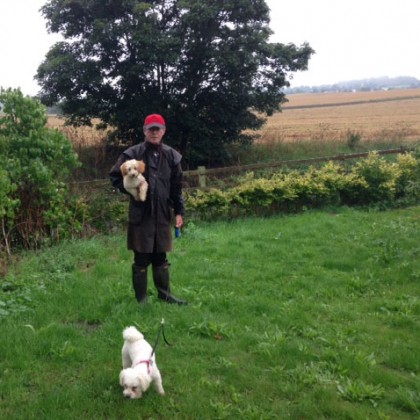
x: 371, y: 180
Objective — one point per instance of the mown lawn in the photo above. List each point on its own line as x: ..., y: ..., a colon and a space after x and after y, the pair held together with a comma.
x: 308, y: 316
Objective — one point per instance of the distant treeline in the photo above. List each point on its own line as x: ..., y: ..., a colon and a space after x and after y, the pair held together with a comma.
x: 379, y: 83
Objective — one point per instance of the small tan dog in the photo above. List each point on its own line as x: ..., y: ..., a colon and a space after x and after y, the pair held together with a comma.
x: 134, y: 182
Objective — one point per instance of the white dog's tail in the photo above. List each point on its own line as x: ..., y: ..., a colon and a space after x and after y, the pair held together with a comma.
x: 131, y: 334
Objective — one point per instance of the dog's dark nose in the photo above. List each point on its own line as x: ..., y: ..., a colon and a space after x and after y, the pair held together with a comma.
x: 127, y: 396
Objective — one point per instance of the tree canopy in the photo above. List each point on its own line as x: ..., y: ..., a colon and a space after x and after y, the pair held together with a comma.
x: 207, y: 66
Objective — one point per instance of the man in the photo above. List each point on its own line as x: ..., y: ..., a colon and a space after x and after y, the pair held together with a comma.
x: 149, y: 223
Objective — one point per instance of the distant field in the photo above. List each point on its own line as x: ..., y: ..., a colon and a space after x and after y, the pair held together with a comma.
x: 392, y: 116
x: 80, y: 136
x: 380, y: 116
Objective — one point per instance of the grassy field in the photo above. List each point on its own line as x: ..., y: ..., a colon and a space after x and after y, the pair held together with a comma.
x: 313, y: 316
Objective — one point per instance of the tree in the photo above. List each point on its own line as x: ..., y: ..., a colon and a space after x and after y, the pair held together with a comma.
x: 207, y: 66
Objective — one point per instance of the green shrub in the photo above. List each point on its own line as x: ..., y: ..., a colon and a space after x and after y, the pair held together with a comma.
x: 8, y: 205
x: 208, y: 204
x: 104, y: 213
x: 370, y: 180
x: 408, y: 182
x: 36, y: 162
x: 381, y: 178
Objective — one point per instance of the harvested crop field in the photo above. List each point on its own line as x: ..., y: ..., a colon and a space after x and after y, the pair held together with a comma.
x: 80, y: 136
x: 392, y: 116
x: 387, y: 116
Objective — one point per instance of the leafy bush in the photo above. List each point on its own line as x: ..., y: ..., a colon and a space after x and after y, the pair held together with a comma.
x: 8, y: 205
x: 371, y: 180
x: 380, y: 176
x: 408, y: 183
x: 35, y: 206
x: 105, y: 213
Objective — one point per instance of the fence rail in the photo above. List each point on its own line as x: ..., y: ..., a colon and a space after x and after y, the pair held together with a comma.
x: 202, y: 173
x: 199, y: 177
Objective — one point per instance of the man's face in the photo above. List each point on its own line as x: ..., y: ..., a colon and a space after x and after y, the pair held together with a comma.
x: 154, y: 134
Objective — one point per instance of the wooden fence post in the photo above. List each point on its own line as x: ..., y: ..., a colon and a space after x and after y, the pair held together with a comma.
x: 201, y: 176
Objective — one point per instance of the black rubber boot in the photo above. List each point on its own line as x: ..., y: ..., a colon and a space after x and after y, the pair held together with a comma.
x: 161, y: 280
x: 140, y: 283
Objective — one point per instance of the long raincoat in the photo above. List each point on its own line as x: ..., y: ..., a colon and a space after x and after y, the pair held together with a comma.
x: 149, y: 222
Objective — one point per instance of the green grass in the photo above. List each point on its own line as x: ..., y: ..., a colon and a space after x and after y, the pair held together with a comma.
x: 308, y: 316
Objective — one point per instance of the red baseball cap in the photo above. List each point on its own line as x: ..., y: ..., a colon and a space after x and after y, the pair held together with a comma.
x: 154, y: 120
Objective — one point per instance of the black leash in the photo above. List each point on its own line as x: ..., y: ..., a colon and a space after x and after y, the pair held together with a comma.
x: 161, y: 330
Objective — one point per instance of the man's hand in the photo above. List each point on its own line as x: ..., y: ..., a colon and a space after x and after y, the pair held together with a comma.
x: 179, y: 221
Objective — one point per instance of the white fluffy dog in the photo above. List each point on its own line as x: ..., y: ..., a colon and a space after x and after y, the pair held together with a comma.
x: 139, y: 365
x: 134, y: 182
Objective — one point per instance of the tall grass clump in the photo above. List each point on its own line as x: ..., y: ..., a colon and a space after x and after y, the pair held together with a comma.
x: 353, y: 139
x: 313, y: 315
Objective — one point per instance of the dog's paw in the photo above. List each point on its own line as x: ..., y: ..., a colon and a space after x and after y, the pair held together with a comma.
x: 143, y: 190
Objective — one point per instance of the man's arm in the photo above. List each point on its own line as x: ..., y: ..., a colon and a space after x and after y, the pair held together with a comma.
x: 176, y: 192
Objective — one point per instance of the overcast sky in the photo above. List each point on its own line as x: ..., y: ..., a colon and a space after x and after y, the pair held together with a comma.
x: 353, y: 39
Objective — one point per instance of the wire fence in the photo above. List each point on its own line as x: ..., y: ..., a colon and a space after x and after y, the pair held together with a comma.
x: 203, y: 178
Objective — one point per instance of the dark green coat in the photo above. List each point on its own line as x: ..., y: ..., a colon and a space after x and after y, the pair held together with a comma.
x: 149, y: 222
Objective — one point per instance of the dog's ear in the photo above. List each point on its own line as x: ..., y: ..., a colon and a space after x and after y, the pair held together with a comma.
x: 123, y: 169
x: 141, y: 166
x: 122, y: 378
x: 144, y: 382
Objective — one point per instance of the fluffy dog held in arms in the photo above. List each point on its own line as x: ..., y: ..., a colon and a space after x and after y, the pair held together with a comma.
x: 139, y: 365
x: 134, y: 182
